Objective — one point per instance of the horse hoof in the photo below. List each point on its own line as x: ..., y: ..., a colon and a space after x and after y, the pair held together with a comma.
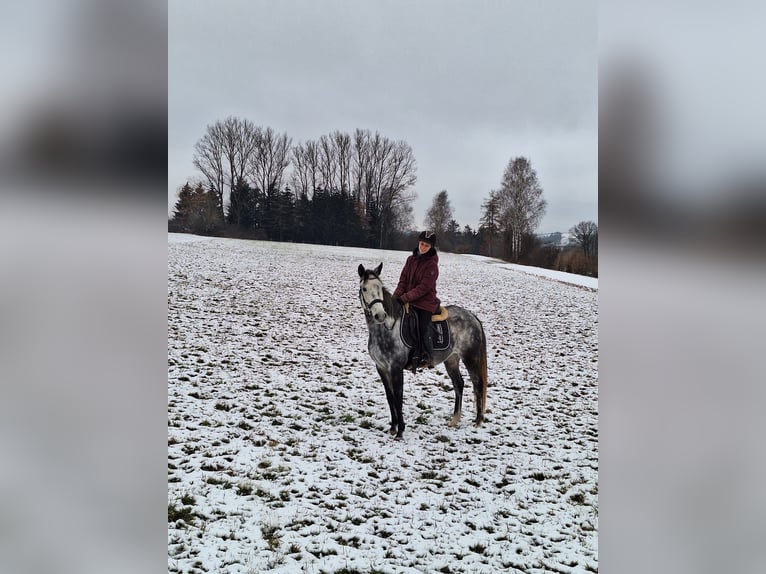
x: 398, y: 436
x: 477, y: 422
x: 392, y: 431
x: 453, y: 423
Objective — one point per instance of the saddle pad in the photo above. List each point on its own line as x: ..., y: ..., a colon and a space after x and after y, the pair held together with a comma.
x: 408, y: 330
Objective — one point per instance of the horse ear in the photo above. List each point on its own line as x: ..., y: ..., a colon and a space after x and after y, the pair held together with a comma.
x: 361, y: 270
x: 378, y: 269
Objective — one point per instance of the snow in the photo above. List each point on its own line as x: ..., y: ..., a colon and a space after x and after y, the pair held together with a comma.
x: 571, y: 278
x: 277, y: 443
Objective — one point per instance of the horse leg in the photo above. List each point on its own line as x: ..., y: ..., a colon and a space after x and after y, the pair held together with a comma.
x: 397, y: 378
x: 479, y: 381
x: 453, y: 370
x: 387, y: 384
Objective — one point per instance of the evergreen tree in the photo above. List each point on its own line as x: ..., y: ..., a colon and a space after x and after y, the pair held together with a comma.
x: 242, y: 206
x: 197, y: 211
x: 490, y: 225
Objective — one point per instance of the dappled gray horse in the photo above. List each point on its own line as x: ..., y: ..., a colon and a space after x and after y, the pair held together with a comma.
x: 390, y: 354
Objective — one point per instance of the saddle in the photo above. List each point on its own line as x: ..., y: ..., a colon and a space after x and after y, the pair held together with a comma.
x: 408, y: 329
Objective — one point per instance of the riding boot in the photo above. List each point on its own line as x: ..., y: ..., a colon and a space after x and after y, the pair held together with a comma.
x: 415, y: 361
x: 427, y: 357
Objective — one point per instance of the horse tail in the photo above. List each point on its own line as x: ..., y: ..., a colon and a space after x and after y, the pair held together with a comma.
x: 483, y: 373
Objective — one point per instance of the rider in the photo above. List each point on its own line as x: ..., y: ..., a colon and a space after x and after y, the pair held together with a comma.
x: 417, y: 286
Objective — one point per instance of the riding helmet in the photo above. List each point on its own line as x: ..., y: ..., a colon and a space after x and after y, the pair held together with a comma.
x: 428, y: 237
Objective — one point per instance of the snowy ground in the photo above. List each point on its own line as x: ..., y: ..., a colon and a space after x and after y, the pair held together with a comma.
x: 278, y: 459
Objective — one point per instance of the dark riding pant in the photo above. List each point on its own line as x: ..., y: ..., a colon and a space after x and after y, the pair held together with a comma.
x: 426, y: 350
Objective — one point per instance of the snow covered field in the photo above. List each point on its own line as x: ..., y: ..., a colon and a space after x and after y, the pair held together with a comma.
x: 278, y: 459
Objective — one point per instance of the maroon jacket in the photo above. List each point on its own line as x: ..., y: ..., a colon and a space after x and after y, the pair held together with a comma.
x: 417, y: 283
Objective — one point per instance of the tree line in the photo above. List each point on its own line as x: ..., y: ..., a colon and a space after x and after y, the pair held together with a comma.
x: 356, y: 190
x: 350, y: 189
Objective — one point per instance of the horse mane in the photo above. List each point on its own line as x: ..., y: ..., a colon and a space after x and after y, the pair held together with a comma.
x: 390, y: 305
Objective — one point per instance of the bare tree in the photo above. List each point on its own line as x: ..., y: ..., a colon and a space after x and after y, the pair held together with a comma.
x: 223, y: 153
x: 240, y: 141
x: 397, y: 176
x: 383, y: 173
x: 585, y: 234
x: 306, y: 175
x: 361, y: 170
x: 521, y: 204
x: 209, y: 159
x: 342, y: 146
x: 440, y: 214
x: 328, y: 163
x: 268, y: 164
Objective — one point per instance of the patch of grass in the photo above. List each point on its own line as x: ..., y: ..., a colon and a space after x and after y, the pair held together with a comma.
x: 503, y: 483
x: 244, y: 489
x: 353, y: 542
x: 266, y: 495
x: 270, y: 533
x: 578, y: 498
x: 188, y: 500
x: 222, y: 407
x: 184, y: 513
x: 479, y: 548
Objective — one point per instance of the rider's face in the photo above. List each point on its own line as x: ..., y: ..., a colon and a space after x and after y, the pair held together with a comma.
x: 423, y: 247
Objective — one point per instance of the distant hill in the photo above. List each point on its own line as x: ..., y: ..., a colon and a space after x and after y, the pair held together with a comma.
x: 556, y: 238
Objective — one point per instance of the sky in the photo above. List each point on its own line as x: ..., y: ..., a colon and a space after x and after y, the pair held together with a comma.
x: 468, y: 86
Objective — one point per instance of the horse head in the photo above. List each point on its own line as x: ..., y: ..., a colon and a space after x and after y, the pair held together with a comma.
x: 371, y: 293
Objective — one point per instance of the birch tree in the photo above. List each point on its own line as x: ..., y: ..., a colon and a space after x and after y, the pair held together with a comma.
x: 440, y: 214
x: 521, y: 204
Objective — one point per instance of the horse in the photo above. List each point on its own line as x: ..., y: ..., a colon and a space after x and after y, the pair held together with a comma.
x: 390, y: 354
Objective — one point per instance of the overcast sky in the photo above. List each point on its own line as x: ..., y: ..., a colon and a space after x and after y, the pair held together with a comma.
x: 468, y: 85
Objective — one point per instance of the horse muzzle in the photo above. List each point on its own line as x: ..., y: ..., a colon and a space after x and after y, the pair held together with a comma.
x: 380, y: 314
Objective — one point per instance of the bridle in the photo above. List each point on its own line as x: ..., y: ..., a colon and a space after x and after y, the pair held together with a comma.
x: 371, y: 303
x: 368, y: 306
